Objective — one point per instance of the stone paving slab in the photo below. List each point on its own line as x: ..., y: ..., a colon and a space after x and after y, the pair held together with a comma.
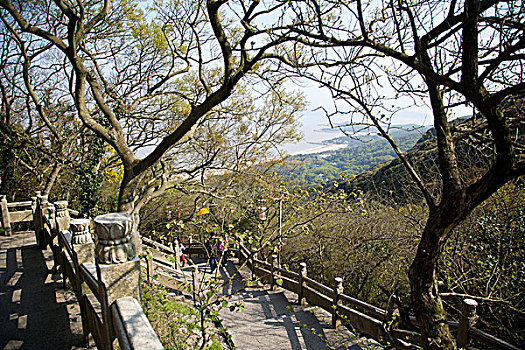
x: 36, y: 312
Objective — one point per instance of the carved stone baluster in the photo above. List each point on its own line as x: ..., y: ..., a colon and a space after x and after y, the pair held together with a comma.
x: 117, y: 264
x: 114, y: 238
x: 80, y: 237
x: 62, y: 220
x: 38, y: 220
x: 34, y: 205
x: 62, y: 216
x: 43, y: 204
x: 50, y: 213
x: 83, y: 248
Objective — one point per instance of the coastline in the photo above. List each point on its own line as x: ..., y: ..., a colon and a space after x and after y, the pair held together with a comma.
x: 323, y: 148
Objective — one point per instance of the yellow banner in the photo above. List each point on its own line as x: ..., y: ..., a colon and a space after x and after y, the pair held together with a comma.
x: 203, y: 211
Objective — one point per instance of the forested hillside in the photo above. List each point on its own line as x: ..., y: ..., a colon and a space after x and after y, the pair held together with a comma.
x: 391, y: 180
x: 359, y: 156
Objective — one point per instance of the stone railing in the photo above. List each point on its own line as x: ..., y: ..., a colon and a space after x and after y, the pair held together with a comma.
x: 166, y: 265
x: 14, y: 212
x: 104, y: 274
x: 365, y: 318
x: 105, y: 278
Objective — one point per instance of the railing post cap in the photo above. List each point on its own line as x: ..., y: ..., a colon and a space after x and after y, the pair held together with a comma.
x: 79, y: 225
x: 114, y: 243
x: 113, y: 218
x: 339, y: 280
x: 80, y: 222
x: 302, y: 264
x: 470, y: 303
x: 80, y: 231
x: 113, y: 226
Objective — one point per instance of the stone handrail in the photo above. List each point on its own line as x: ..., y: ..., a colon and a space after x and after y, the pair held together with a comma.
x: 131, y: 325
x: 104, y: 277
x: 159, y: 246
x: 370, y: 320
x: 19, y: 204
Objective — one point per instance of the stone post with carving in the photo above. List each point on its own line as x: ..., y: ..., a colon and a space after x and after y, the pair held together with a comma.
x: 34, y: 205
x: 62, y: 216
x: 83, y: 247
x: 50, y: 212
x: 82, y: 241
x: 53, y: 240
x: 43, y: 203
x: 62, y: 220
x: 118, y: 267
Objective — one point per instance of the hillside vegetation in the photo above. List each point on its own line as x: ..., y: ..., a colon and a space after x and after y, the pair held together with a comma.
x: 359, y: 156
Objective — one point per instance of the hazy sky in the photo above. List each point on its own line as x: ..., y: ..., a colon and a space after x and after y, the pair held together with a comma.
x: 421, y: 115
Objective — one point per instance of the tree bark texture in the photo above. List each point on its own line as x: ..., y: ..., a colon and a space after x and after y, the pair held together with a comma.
x: 427, y: 303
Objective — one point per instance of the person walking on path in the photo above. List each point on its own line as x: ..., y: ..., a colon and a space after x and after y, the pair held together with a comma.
x: 181, y: 254
x: 212, y: 247
x: 223, y: 248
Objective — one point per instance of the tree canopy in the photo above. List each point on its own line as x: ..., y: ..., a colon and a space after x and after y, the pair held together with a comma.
x: 173, y: 79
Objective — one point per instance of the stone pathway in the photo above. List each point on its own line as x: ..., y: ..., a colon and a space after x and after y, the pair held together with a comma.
x: 274, y: 320
x: 36, y: 312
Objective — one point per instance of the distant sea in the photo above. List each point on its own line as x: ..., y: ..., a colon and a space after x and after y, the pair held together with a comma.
x: 316, y: 129
x: 313, y: 135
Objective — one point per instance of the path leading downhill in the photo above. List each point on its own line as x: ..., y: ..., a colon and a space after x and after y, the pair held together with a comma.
x: 274, y: 320
x: 36, y: 312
